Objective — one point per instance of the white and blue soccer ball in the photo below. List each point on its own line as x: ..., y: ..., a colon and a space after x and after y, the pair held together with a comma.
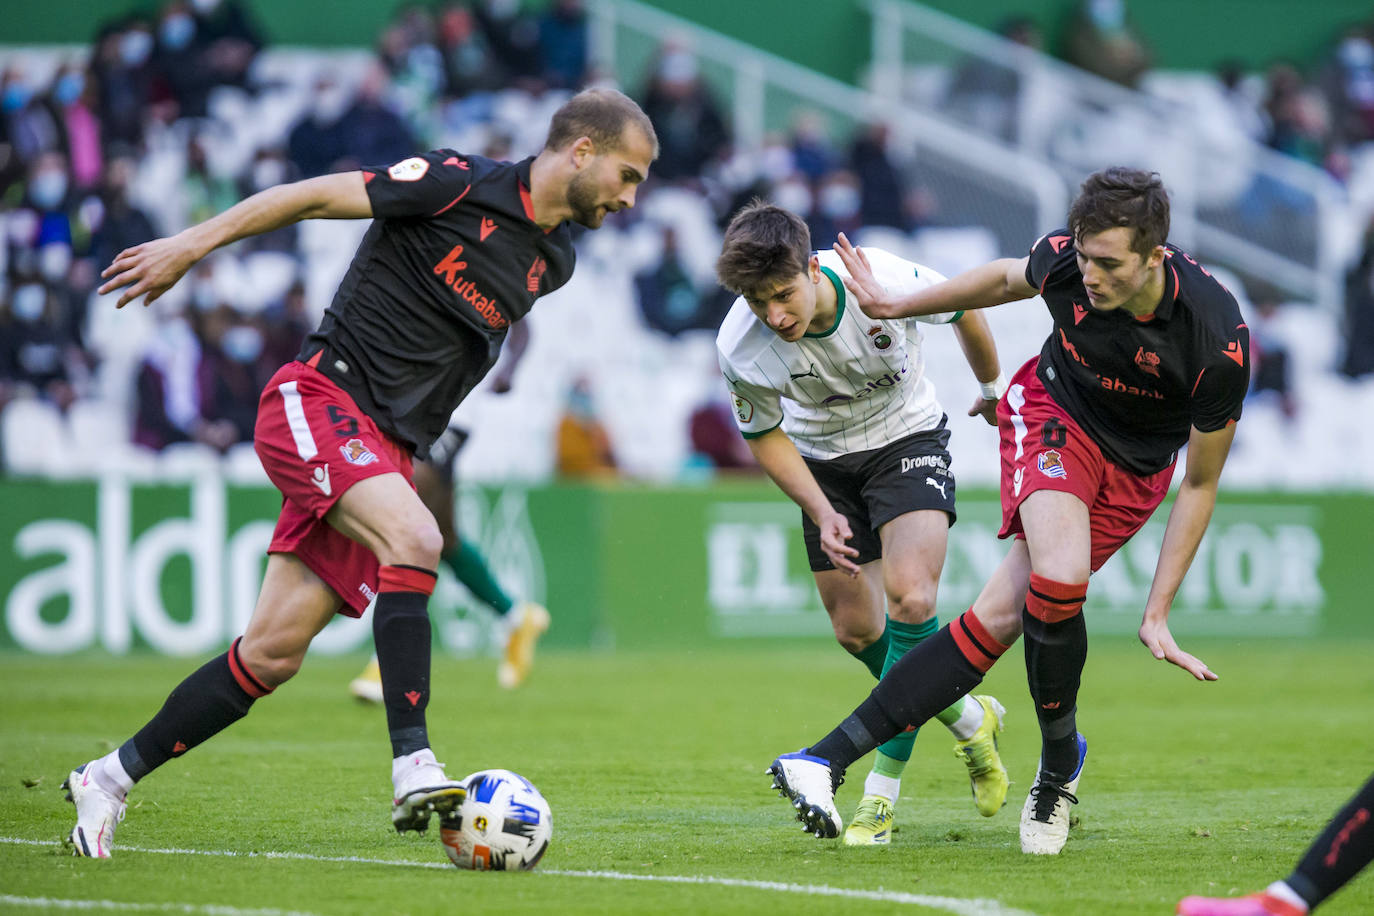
x: 504, y: 824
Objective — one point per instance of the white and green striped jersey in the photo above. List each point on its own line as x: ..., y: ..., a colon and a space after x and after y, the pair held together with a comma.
x: 859, y: 385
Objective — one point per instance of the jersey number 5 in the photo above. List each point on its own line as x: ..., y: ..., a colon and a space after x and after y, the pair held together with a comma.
x: 1053, y: 433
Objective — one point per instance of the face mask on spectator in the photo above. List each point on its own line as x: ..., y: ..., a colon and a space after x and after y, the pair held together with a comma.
x: 268, y: 173
x: 330, y: 104
x: 48, y: 189
x: 839, y: 201
x: 242, y: 344
x: 1356, y: 53
x: 203, y: 295
x: 29, y: 301
x: 17, y: 95
x: 135, y: 47
x: 69, y: 88
x: 794, y: 196
x: 54, y: 259
x: 205, y: 7
x: 177, y: 31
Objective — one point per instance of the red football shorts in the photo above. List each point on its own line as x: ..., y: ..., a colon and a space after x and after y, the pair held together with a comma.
x: 1044, y: 449
x: 315, y: 443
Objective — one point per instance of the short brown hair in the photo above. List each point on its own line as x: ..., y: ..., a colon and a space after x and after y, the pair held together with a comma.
x: 1123, y: 197
x: 763, y: 246
x: 601, y: 115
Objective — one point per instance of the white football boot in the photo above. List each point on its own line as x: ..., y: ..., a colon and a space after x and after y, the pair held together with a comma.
x: 1045, y: 816
x: 806, y: 780
x: 422, y: 789
x: 97, y: 813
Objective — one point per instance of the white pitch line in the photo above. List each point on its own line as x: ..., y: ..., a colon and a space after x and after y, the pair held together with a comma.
x: 959, y: 906
x: 56, y: 903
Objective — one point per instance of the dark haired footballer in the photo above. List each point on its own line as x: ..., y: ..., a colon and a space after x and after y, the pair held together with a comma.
x: 1148, y: 353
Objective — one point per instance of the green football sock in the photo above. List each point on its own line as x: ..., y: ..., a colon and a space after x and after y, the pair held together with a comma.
x: 892, y: 756
x: 471, y: 569
x: 874, y: 656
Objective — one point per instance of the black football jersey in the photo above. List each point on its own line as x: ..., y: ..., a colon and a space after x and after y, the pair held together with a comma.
x: 453, y: 256
x: 1137, y: 385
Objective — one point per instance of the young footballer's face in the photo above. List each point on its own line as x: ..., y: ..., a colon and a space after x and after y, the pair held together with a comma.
x: 1114, y: 273
x: 789, y: 306
x: 606, y: 181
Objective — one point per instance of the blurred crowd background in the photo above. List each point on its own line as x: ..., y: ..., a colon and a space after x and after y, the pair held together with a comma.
x: 169, y: 116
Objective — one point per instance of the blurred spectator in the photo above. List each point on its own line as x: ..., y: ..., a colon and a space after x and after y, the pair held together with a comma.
x: 124, y: 75
x: 1271, y: 371
x: 1244, y: 109
x: 1101, y: 40
x: 837, y: 209
x: 169, y: 392
x: 1358, y: 360
x: 121, y: 225
x: 987, y: 95
x: 563, y: 44
x: 882, y: 192
x: 204, y: 192
x: 229, y: 39
x: 269, y: 168
x: 38, y: 352
x: 373, y: 134
x: 409, y: 52
x: 1348, y: 81
x: 29, y: 125
x: 286, y: 324
x: 715, y: 437
x: 691, y: 131
x: 1298, y: 120
x: 182, y: 75
x: 233, y: 370
x: 514, y: 39
x: 316, y: 141
x: 812, y: 154
x: 583, y: 447
x: 469, y: 63
x: 71, y: 102
x: 668, y: 299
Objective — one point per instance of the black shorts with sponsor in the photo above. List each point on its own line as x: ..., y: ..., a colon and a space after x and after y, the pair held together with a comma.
x: 872, y: 488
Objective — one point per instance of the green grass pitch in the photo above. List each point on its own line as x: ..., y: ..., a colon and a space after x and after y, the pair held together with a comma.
x: 653, y: 764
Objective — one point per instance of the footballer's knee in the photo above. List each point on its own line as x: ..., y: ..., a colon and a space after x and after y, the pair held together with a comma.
x: 414, y: 541
x: 915, y: 605
x: 272, y: 660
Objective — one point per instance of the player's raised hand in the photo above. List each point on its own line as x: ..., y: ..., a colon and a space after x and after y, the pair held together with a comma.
x: 148, y: 270
x: 861, y: 283
x: 1157, y: 638
x: 984, y: 408
x: 835, y: 534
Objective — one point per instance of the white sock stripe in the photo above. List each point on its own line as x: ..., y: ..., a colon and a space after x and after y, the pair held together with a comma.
x: 295, y: 417
x: 959, y: 906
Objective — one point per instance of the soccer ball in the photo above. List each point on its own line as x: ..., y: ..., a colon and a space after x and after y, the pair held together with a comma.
x: 504, y: 824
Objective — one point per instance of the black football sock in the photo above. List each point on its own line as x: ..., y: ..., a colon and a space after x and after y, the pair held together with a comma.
x: 400, y: 629
x: 215, y: 696
x: 928, y: 678
x: 1056, y: 650
x: 1344, y: 847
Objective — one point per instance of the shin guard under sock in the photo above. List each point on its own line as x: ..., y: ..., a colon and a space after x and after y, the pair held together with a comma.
x: 400, y: 629
x: 215, y: 696
x: 1056, y: 650
x: 1344, y: 847
x: 902, y: 638
x: 924, y: 681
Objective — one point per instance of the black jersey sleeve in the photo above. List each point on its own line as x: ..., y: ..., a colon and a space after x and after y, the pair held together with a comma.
x: 1051, y: 257
x: 422, y: 185
x: 1220, y: 389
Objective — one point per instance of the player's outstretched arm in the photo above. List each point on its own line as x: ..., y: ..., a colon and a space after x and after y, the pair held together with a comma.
x: 782, y: 462
x: 992, y: 284
x: 975, y: 339
x: 1187, y: 522
x: 154, y: 267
